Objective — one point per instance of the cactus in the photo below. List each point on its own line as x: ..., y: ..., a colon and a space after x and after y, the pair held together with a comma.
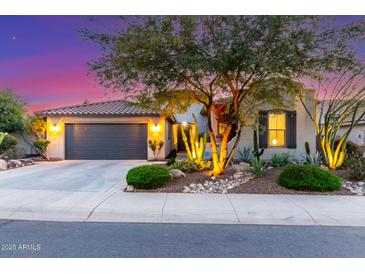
x: 307, y: 149
x: 307, y: 152
x: 196, y: 149
x: 257, y: 152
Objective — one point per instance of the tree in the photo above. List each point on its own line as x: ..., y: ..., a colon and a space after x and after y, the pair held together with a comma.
x: 12, y: 110
x: 339, y: 100
x: 36, y: 129
x: 174, y: 61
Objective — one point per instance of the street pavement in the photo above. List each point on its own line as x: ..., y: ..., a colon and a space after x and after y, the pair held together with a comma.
x: 137, y: 240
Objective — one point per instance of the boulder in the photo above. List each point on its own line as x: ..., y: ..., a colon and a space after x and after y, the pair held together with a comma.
x: 186, y: 189
x: 3, y: 164
x: 323, y: 167
x: 129, y: 188
x: 27, y: 162
x: 177, y: 173
x: 14, y: 163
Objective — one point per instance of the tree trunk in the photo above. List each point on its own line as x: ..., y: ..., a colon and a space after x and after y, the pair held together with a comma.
x: 219, y: 158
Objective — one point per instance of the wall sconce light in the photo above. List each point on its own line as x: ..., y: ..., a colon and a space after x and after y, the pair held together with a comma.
x: 55, y: 128
x: 155, y: 128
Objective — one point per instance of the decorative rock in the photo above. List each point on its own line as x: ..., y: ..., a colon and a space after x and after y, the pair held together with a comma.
x: 244, y: 165
x: 213, y: 178
x: 3, y: 164
x: 27, y: 162
x: 14, y: 163
x: 177, y: 173
x: 236, y: 176
x: 186, y: 189
x: 323, y: 167
x: 218, y: 186
x: 360, y: 183
x: 129, y: 188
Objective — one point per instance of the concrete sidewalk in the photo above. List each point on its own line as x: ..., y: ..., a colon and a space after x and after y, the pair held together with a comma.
x: 117, y: 206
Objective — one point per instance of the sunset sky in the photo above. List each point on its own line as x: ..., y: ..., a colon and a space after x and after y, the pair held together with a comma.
x: 44, y: 59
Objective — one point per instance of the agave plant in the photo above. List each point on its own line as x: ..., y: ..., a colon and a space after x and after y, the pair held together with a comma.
x: 279, y: 160
x: 314, y: 160
x: 258, y: 167
x: 245, y: 154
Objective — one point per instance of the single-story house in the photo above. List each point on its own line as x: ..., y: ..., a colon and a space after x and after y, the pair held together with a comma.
x: 119, y: 130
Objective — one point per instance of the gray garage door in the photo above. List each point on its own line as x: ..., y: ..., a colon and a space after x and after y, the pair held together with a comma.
x: 106, y: 141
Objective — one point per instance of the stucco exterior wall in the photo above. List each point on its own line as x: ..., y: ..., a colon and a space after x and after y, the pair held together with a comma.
x: 357, y: 135
x: 305, y: 131
x: 56, y: 148
x: 188, y: 117
x: 22, y: 143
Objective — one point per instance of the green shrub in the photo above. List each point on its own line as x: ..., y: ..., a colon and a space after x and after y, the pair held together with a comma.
x: 257, y: 167
x: 9, y: 142
x: 41, y: 145
x: 190, y: 166
x: 356, y: 166
x: 148, y: 176
x: 2, y: 136
x: 308, y: 177
x: 279, y: 160
x: 15, y: 153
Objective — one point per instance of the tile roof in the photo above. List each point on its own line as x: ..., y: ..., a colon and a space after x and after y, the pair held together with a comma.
x: 108, y: 108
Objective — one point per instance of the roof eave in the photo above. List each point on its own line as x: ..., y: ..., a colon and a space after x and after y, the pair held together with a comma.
x: 96, y: 115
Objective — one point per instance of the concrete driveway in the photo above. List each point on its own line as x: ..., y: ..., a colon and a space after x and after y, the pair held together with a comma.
x: 75, y: 175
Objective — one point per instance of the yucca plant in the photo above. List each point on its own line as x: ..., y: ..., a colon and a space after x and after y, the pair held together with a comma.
x: 155, y: 147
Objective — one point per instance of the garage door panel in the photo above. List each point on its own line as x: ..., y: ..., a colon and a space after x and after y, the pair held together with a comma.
x: 106, y: 141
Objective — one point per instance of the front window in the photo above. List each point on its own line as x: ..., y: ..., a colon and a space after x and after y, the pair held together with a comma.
x: 277, y: 129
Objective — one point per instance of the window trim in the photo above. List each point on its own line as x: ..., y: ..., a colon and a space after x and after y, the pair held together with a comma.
x: 276, y: 111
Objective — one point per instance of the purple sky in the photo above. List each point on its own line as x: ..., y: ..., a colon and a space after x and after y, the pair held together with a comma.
x: 44, y: 59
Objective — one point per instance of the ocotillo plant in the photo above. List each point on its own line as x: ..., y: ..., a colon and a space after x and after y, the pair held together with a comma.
x: 196, y: 149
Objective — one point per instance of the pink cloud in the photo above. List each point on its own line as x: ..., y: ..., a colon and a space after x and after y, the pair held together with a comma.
x: 52, y: 79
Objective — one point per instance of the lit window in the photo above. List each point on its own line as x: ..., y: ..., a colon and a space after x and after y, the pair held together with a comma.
x: 277, y: 129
